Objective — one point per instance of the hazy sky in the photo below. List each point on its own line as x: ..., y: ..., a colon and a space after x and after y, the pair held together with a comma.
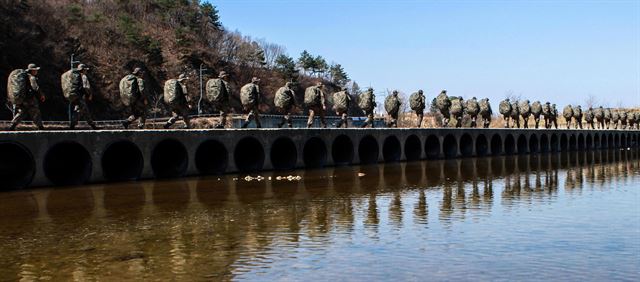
x: 561, y: 51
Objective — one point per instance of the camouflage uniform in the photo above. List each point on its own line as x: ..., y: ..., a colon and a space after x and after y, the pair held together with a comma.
x: 485, y: 112
x: 615, y: 118
x: 250, y: 97
x: 599, y: 115
x: 589, y: 117
x: 139, y: 100
x: 221, y: 98
x: 525, y: 111
x: 567, y: 113
x: 30, y: 104
x: 607, y: 117
x: 515, y: 114
x: 179, y: 103
x: 284, y: 101
x: 78, y: 95
x: 472, y: 108
x: 368, y: 99
x: 546, y: 112
x: 392, y: 105
x: 457, y: 110
x: 443, y: 103
x: 554, y: 116
x: 316, y: 102
x: 417, y: 103
x: 341, y: 103
x: 536, y: 111
x: 623, y: 119
x: 505, y: 111
x: 577, y: 115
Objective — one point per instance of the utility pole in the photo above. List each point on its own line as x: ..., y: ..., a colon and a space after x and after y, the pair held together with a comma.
x: 201, y: 90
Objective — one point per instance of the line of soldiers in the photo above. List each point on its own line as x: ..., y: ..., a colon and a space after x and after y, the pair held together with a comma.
x: 24, y: 93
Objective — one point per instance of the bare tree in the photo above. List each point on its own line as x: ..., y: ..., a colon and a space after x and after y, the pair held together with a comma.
x: 591, y: 101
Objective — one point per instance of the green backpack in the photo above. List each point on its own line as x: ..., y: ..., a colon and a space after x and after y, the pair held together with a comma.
x: 18, y: 86
x: 341, y: 101
x: 536, y: 108
x: 392, y: 104
x: 472, y: 108
x: 284, y: 98
x: 173, y: 92
x: 131, y: 89
x: 217, y: 91
x: 485, y: 107
x: 72, y: 85
x: 442, y: 101
x: 456, y: 108
x: 312, y: 96
x: 567, y: 112
x: 416, y: 101
x: 249, y: 94
x: 366, y: 101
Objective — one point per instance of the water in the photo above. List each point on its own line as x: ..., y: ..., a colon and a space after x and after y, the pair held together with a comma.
x: 551, y: 217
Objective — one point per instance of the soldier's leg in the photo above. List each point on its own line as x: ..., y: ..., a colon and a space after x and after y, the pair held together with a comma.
x: 34, y: 112
x: 75, y: 114
x: 173, y: 119
x: 87, y: 114
x: 345, y: 121
x: 525, y: 121
x: 142, y: 118
x: 323, y: 121
x: 17, y: 118
x: 223, y: 119
x: 288, y: 119
x: 341, y: 121
x: 420, y: 116
x: 256, y: 115
x: 185, y: 117
x: 311, y: 116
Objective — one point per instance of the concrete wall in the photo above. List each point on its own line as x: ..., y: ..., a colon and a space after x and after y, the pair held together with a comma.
x: 53, y: 158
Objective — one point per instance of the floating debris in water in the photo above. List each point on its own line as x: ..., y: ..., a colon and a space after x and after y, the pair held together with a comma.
x: 360, y: 174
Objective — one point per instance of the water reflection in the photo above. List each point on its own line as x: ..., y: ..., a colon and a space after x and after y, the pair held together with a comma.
x: 225, y: 227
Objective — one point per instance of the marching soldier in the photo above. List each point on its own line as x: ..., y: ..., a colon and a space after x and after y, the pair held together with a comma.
x: 250, y: 97
x: 314, y: 99
x: 77, y: 90
x: 218, y: 93
x: 285, y: 101
x: 341, y: 104
x: 367, y: 102
x: 417, y: 103
x: 24, y: 93
x: 175, y: 96
x: 133, y: 95
x: 392, y: 105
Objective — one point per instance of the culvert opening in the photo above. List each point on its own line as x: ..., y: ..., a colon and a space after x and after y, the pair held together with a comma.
x: 466, y: 145
x: 212, y: 157
x: 509, y: 145
x: 432, y: 147
x: 314, y: 153
x: 482, y: 146
x: 368, y: 150
x: 522, y: 144
x: 412, y: 148
x: 342, y: 150
x: 450, y: 146
x: 623, y: 141
x: 534, y: 145
x: 169, y: 159
x: 564, y: 143
x: 67, y: 163
x: 554, y: 143
x: 496, y: 145
x: 121, y: 161
x: 572, y: 143
x: 589, y: 142
x: 580, y: 144
x: 391, y: 149
x: 616, y: 140
x: 596, y: 141
x: 544, y: 143
x: 283, y: 154
x: 249, y: 155
x: 17, y: 166
x: 610, y: 143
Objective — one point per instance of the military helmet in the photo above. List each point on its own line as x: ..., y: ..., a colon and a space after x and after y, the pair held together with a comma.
x: 370, y: 89
x: 182, y: 77
x: 137, y: 71
x: 255, y: 80
x: 459, y: 97
x: 319, y: 83
x: 82, y: 67
x: 288, y: 84
x: 444, y: 91
x: 33, y: 67
x: 395, y: 92
x: 222, y: 74
x: 343, y: 88
x: 474, y: 98
x: 420, y: 91
x: 547, y: 103
x: 507, y: 99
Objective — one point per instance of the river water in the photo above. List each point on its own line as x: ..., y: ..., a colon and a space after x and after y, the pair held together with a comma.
x: 547, y: 217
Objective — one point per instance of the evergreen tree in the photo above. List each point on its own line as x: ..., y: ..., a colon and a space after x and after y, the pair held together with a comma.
x: 338, y: 75
x: 305, y: 61
x: 211, y: 15
x: 286, y: 67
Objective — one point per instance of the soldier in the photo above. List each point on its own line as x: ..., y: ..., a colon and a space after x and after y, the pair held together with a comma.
x: 525, y: 111
x: 505, y: 111
x: 392, y: 105
x: 485, y: 112
x: 554, y: 116
x: 132, y: 92
x: 457, y: 110
x: 615, y: 118
x: 417, y: 104
x: 175, y: 96
x: 367, y: 102
x: 285, y: 101
x: 250, y: 97
x: 632, y: 120
x: 607, y: 117
x: 589, y: 116
x: 443, y: 103
x: 24, y: 93
x: 77, y: 90
x: 577, y: 115
x: 546, y: 112
x: 623, y: 119
x: 341, y: 104
x: 515, y: 114
x: 599, y: 115
x: 218, y: 93
x: 536, y: 111
x: 567, y: 113
x: 314, y: 99
x: 472, y: 108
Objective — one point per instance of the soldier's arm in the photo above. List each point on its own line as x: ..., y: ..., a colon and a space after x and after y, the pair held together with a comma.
x: 33, y: 81
x: 87, y: 87
x: 322, y: 100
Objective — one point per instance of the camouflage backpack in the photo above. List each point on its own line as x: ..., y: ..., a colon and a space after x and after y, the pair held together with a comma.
x: 313, y: 96
x: 607, y: 114
x: 599, y: 114
x: 442, y: 101
x: 567, y: 112
x: 173, y: 92
x: 341, y: 101
x: 249, y: 94
x: 546, y: 110
x: 366, y: 101
x: 472, y: 108
x: 416, y: 101
x: 577, y: 112
x: 131, y: 88
x: 217, y: 91
x: 392, y: 104
x: 72, y: 86
x: 524, y: 107
x: 485, y: 107
x: 536, y: 108
x: 505, y: 108
x: 589, y: 115
x: 623, y: 115
x: 456, y: 108
x: 615, y: 116
x: 515, y: 111
x: 17, y: 86
x: 284, y: 98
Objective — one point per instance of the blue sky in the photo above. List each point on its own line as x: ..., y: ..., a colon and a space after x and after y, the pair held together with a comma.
x: 561, y: 51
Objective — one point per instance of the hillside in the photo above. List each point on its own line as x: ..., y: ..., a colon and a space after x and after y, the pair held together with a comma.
x: 164, y: 37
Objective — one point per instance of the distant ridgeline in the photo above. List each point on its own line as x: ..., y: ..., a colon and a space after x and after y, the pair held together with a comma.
x: 163, y: 37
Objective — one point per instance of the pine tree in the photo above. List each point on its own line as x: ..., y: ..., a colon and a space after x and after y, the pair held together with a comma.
x: 338, y: 75
x: 286, y: 67
x: 211, y: 14
x: 305, y: 61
